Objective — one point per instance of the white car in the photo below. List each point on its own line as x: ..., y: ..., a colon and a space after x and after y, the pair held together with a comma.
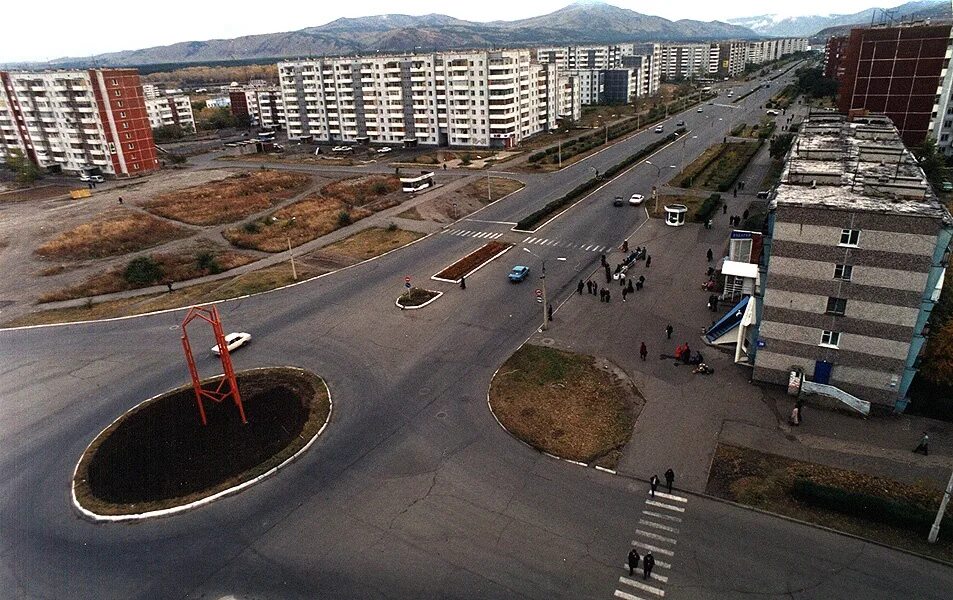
x: 341, y: 149
x: 636, y: 199
x: 94, y: 178
x: 233, y: 341
x: 384, y: 150
x: 659, y: 129
x: 771, y: 111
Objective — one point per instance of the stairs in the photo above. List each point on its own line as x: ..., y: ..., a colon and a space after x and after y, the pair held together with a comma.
x: 861, y: 406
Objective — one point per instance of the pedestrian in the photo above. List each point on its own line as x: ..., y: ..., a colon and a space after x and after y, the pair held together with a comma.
x: 653, y: 484
x: 602, y: 258
x: 643, y: 351
x: 924, y: 446
x: 608, y: 295
x: 89, y: 184
x: 633, y: 561
x: 648, y: 563
x: 589, y: 287
x: 169, y: 285
x: 709, y: 223
x: 669, y: 479
x: 795, y: 416
x: 579, y: 287
x: 736, y: 192
x: 549, y: 312
x: 622, y: 280
x: 608, y: 275
x: 629, y: 287
x: 120, y: 200
x: 710, y: 255
x: 711, y: 271
x: 444, y: 166
x: 602, y: 295
x: 724, y: 209
x: 800, y: 410
x: 463, y: 282
x: 648, y: 262
x: 625, y: 245
x: 641, y: 281
x: 744, y: 215
x: 625, y: 292
x: 668, y: 331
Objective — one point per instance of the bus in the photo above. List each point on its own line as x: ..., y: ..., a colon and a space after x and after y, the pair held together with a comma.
x: 415, y: 184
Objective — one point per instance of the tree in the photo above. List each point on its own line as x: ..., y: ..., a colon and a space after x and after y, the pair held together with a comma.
x: 938, y: 359
x: 811, y: 82
x: 167, y: 133
x: 780, y: 145
x: 143, y: 270
x: 931, y: 162
x: 25, y: 171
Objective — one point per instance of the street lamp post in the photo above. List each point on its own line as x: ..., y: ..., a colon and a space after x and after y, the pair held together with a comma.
x: 935, y: 528
x: 658, y: 175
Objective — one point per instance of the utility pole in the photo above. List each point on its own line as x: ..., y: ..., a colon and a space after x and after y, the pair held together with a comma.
x: 294, y: 272
x: 489, y: 195
x: 607, y: 133
x: 935, y: 529
x: 546, y: 300
x: 560, y: 153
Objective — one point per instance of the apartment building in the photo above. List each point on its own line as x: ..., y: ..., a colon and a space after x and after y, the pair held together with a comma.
x: 590, y: 85
x: 763, y: 51
x: 684, y: 60
x: 645, y: 67
x: 895, y: 71
x: 271, y: 108
x: 585, y: 57
x: 74, y: 120
x: 834, y: 52
x: 150, y: 91
x: 941, y: 118
x: 855, y: 260
x: 244, y: 102
x: 472, y: 98
x: 171, y: 110
x: 727, y: 59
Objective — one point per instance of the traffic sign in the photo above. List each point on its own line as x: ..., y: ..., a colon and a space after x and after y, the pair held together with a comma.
x: 407, y: 279
x: 407, y: 285
x: 539, y: 295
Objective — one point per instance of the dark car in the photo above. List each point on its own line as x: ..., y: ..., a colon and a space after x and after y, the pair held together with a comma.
x: 680, y: 123
x: 619, y: 201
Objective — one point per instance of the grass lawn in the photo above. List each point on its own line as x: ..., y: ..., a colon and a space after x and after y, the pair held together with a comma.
x: 766, y: 481
x: 229, y: 199
x: 114, y: 233
x: 565, y: 404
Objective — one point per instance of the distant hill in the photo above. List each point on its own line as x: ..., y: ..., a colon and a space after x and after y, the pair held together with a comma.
x: 778, y: 26
x: 584, y: 22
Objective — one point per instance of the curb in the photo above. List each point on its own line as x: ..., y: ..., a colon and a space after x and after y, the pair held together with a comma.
x: 96, y: 517
x: 472, y: 271
x: 401, y: 307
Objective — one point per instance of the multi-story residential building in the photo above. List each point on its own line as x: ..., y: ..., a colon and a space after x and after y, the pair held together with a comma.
x: 568, y: 97
x: 75, y: 120
x: 619, y: 86
x: 150, y: 91
x: 763, y: 51
x: 895, y: 71
x: 220, y: 102
x: 834, y: 52
x: 646, y: 70
x: 244, y: 102
x: 727, y: 59
x: 941, y: 121
x: 271, y: 108
x: 171, y: 110
x: 855, y: 260
x: 684, y: 60
x: 585, y: 57
x: 590, y: 85
x: 473, y: 98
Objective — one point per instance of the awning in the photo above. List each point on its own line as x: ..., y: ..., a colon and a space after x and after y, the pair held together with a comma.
x: 740, y: 269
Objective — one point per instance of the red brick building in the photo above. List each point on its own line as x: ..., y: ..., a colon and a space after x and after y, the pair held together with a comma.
x: 894, y: 71
x: 834, y: 52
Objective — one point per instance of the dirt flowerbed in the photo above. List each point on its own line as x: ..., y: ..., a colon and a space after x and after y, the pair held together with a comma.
x: 565, y: 404
x: 40, y: 192
x: 116, y: 232
x: 415, y: 297
x: 229, y: 199
x: 472, y: 261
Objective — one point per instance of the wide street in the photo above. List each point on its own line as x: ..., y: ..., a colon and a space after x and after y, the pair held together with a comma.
x: 413, y: 491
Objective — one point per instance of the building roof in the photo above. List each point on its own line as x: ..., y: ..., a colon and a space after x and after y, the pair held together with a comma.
x: 858, y: 165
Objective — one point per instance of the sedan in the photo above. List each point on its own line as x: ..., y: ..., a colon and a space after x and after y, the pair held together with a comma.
x: 341, y: 149
x: 700, y: 109
x: 680, y: 123
x: 636, y: 199
x: 659, y: 129
x: 384, y: 150
x: 618, y: 201
x: 233, y: 341
x: 518, y: 273
x: 771, y: 111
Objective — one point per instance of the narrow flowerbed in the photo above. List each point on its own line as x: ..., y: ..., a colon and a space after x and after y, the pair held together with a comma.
x: 416, y: 297
x: 471, y: 262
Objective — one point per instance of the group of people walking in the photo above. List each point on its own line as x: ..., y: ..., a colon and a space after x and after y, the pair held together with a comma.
x: 648, y: 561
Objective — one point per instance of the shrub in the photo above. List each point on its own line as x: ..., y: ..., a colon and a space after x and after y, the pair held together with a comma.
x: 380, y: 188
x: 392, y: 227
x: 251, y: 227
x: 344, y: 218
x: 707, y: 208
x: 865, y: 506
x: 206, y: 262
x: 143, y: 270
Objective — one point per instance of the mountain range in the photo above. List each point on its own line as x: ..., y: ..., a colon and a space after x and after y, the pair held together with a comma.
x: 807, y: 26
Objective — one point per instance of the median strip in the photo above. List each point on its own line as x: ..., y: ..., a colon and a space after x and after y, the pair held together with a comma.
x: 472, y: 262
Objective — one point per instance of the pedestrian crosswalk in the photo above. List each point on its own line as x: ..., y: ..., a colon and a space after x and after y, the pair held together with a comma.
x: 588, y: 247
x: 485, y: 235
x: 657, y: 532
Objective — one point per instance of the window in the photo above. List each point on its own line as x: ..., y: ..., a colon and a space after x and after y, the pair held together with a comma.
x: 125, y: 125
x: 114, y: 82
x: 944, y: 137
x: 131, y: 146
x: 830, y: 338
x: 118, y: 93
x: 122, y: 114
x: 843, y: 272
x: 849, y: 237
x: 836, y: 306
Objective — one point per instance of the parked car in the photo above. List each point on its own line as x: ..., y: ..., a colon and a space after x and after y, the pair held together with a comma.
x: 946, y: 186
x: 636, y: 199
x: 679, y: 123
x: 771, y: 111
x: 384, y: 150
x: 763, y: 194
x: 700, y: 109
x: 233, y: 341
x: 341, y: 149
x: 91, y: 178
x: 518, y: 273
x: 619, y: 201
x: 659, y: 129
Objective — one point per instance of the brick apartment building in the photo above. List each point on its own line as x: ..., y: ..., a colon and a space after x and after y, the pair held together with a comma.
x: 893, y: 71
x: 79, y: 119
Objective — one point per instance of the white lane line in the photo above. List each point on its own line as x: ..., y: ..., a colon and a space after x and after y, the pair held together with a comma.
x: 526, y: 240
x: 670, y: 497
x: 671, y: 518
x: 540, y: 241
x: 626, y: 596
x: 665, y: 506
x: 654, y: 525
x: 658, y: 563
x: 655, y: 536
x: 587, y: 248
x: 643, y: 586
x: 654, y: 548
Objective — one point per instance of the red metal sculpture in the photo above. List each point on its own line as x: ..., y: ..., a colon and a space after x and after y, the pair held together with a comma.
x: 227, y: 387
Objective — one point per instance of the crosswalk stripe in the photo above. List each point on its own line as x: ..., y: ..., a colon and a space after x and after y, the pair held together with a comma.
x: 652, y: 548
x: 540, y: 241
x: 656, y: 536
x: 665, y: 506
x: 588, y: 248
x: 671, y: 497
x: 643, y: 586
x: 658, y: 563
x: 496, y: 235
x: 598, y: 248
x: 654, y: 525
x: 657, y: 577
x: 671, y: 518
x: 526, y: 240
x: 626, y: 596
x: 480, y: 234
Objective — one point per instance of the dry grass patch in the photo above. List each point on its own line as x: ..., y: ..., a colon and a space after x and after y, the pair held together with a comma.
x: 117, y: 232
x: 369, y: 243
x: 499, y: 187
x: 229, y: 199
x: 336, y: 205
x: 178, y: 266
x: 564, y: 404
x: 42, y: 192
x: 718, y: 167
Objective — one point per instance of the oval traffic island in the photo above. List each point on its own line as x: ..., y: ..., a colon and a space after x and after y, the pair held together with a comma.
x: 416, y: 297
x: 158, y: 458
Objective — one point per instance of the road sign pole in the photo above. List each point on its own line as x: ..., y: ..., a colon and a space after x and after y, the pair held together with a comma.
x: 294, y: 272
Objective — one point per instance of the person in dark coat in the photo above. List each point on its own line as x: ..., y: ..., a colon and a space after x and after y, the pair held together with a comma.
x: 633, y: 561
x: 579, y: 287
x: 608, y: 295
x: 648, y: 262
x: 669, y: 479
x: 924, y: 446
x: 641, y: 281
x: 653, y: 485
x: 588, y: 287
x: 668, y: 331
x: 608, y: 274
x: 648, y: 563
x: 463, y: 282
x: 643, y: 351
x: 710, y: 255
x: 744, y: 215
x: 629, y: 287
x: 724, y: 209
x: 120, y: 200
x: 625, y: 292
x: 549, y: 312
x: 625, y: 245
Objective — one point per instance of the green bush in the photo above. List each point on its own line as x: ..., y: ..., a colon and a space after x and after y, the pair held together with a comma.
x: 252, y: 227
x: 708, y: 208
x: 344, y: 218
x: 537, y: 156
x: 392, y: 227
x: 206, y: 262
x: 738, y: 129
x: 859, y: 504
x: 380, y: 188
x: 143, y: 270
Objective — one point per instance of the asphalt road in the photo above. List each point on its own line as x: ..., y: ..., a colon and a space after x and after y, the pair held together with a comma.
x: 413, y: 490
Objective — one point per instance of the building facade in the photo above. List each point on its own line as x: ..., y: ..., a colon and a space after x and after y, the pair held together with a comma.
x: 895, y: 71
x: 474, y: 98
x: 270, y: 106
x: 856, y: 258
x: 171, y: 110
x: 76, y: 120
x: 834, y: 52
x: 941, y: 119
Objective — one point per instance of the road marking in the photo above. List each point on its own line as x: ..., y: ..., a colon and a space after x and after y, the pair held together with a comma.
x: 625, y: 596
x: 493, y: 222
x: 661, y: 578
x: 658, y: 563
x: 658, y: 526
x: 671, y: 497
x: 672, y: 518
x: 642, y: 586
x: 496, y: 235
x: 587, y: 248
x: 526, y: 240
x: 654, y: 548
x: 656, y: 536
x: 665, y: 506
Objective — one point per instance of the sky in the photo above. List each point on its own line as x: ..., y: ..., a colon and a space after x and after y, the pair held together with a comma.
x: 58, y: 28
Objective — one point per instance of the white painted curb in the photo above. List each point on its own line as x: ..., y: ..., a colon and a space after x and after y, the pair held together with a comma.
x: 208, y: 499
x: 402, y: 307
x: 471, y: 271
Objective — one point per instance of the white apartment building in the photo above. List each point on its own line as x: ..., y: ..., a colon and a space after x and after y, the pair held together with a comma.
x: 220, y: 102
x: 590, y: 85
x: 767, y: 50
x: 171, y: 110
x: 74, y: 120
x: 941, y: 121
x: 472, y: 98
x: 569, y: 97
x: 585, y: 57
x: 270, y: 108
x: 150, y: 91
x: 684, y: 60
